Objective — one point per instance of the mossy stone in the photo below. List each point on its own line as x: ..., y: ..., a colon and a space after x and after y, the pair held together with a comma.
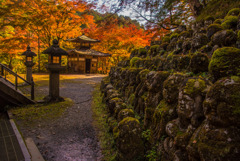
x: 230, y: 22
x: 119, y: 106
x: 112, y: 104
x: 184, y: 63
x: 142, y: 52
x: 134, y: 60
x: 128, y: 140
x: 125, y: 113
x: 225, y: 62
x: 234, y: 12
x: 214, y: 143
x: 153, y: 50
x: 199, y: 40
x: 162, y: 115
x: 174, y: 35
x: 143, y: 74
x: 199, y: 63
x: 134, y: 53
x: 166, y: 39
x: 112, y: 123
x: 171, y: 87
x: 209, y: 18
x: 164, y: 45
x: 195, y: 86
x: 222, y: 104
x: 212, y: 29
x: 218, y: 21
x: 224, y: 38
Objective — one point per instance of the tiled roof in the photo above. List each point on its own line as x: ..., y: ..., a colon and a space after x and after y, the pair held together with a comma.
x: 83, y: 38
x: 90, y: 52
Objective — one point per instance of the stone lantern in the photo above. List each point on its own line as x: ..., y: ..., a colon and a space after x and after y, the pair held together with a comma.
x: 29, y: 62
x: 54, y: 66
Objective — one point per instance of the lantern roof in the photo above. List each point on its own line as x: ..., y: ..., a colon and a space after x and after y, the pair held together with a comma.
x: 83, y: 39
x: 28, y: 52
x: 55, y: 49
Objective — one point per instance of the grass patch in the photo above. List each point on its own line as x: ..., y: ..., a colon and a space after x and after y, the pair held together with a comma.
x: 32, y: 114
x: 100, y: 116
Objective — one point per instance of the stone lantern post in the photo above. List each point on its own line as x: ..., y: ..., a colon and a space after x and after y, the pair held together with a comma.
x: 29, y: 62
x: 54, y: 66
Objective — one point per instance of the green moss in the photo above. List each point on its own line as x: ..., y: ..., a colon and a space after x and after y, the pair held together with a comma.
x: 225, y: 62
x: 144, y: 96
x: 166, y: 39
x: 115, y: 132
x: 194, y: 86
x: 134, y: 60
x: 105, y: 138
x: 235, y: 78
x: 116, y: 99
x: 126, y: 120
x: 234, y: 12
x: 217, y: 27
x: 131, y: 99
x: 170, y: 55
x: 153, y: 50
x: 218, y: 8
x: 161, y: 108
x: 184, y: 34
x: 218, y: 21
x: 174, y: 35
x: 209, y: 18
x: 229, y: 22
x: 154, y: 47
x: 142, y: 51
x: 143, y: 74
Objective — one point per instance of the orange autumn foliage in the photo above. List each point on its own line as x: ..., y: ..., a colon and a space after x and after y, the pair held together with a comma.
x: 118, y: 40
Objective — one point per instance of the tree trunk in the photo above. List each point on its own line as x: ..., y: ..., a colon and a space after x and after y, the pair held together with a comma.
x: 196, y: 7
x: 38, y: 54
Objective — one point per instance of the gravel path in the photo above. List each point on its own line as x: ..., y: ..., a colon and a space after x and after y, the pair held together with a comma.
x: 71, y: 137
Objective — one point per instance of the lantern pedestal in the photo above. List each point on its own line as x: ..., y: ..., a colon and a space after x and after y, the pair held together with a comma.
x: 54, y: 66
x: 29, y: 66
x: 54, y: 70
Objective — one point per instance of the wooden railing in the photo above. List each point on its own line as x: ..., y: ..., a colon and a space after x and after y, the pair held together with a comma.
x: 5, y: 71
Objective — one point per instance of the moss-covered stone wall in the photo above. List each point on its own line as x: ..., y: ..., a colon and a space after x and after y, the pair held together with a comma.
x: 179, y: 99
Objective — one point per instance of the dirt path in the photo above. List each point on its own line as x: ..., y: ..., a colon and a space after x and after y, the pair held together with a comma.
x: 71, y: 137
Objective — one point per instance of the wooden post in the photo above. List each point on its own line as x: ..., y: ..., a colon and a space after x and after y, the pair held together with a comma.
x: 32, y: 89
x: 2, y: 70
x: 16, y: 81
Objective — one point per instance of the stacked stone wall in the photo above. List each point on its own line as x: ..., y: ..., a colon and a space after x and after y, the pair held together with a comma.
x: 181, y: 96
